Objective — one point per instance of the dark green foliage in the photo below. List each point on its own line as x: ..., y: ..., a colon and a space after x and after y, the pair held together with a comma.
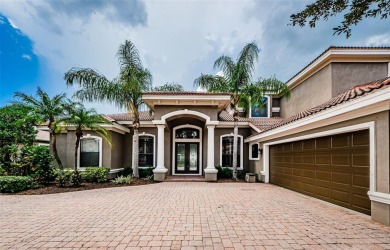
x: 145, y: 172
x: 224, y: 172
x: 95, y: 174
x: 36, y: 162
x: 127, y: 172
x: 169, y: 86
x: 75, y: 179
x: 241, y: 174
x: 357, y: 10
x: 12, y: 184
x: 16, y: 127
x: 63, y: 177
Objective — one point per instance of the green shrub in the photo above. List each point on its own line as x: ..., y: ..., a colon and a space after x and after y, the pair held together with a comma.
x: 95, y: 174
x: 36, y: 162
x: 127, y: 171
x: 224, y: 172
x: 64, y: 177
x: 12, y: 184
x: 122, y: 180
x: 241, y: 174
x: 75, y: 179
x: 145, y: 172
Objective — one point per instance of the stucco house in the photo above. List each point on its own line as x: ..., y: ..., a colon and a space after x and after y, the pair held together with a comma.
x: 330, y: 140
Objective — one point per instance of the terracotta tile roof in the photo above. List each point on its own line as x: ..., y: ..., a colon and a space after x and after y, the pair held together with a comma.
x: 261, y: 123
x: 143, y: 116
x: 352, y: 93
x: 184, y: 93
x: 340, y: 48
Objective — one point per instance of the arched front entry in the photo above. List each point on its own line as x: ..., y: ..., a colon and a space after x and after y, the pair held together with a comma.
x: 187, y: 150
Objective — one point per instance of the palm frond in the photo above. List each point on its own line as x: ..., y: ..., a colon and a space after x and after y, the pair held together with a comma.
x: 128, y: 56
x: 226, y: 64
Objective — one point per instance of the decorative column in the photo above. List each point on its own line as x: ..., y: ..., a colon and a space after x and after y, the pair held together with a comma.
x: 160, y: 171
x: 210, y: 171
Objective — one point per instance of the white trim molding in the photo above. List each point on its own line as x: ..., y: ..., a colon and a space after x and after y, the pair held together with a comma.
x: 362, y: 126
x: 379, y: 197
x: 241, y: 150
x: 143, y: 134
x: 99, y: 140
x: 199, y: 140
x: 250, y: 151
x: 163, y: 119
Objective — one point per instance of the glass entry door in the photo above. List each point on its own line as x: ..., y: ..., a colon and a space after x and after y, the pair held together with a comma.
x: 187, y: 157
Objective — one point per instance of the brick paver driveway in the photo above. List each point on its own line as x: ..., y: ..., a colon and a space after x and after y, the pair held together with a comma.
x: 184, y: 215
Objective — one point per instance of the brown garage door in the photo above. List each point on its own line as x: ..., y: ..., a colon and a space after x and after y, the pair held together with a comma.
x: 333, y: 168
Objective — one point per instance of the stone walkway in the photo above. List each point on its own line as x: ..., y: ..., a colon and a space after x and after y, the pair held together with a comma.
x: 184, y: 216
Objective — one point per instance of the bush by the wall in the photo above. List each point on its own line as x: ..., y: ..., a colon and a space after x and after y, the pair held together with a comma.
x: 36, y: 162
x: 63, y: 177
x: 127, y: 171
x: 224, y: 172
x: 122, y: 180
x: 145, y: 172
x: 95, y: 174
x: 12, y: 184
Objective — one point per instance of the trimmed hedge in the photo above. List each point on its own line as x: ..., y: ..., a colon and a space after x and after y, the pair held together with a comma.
x: 224, y: 172
x: 12, y: 184
x: 95, y: 174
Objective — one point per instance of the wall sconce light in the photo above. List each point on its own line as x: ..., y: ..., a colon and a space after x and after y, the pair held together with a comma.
x: 260, y: 151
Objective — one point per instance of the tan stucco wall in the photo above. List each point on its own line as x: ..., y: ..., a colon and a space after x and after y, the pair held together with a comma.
x: 112, y: 158
x: 217, y: 144
x: 313, y: 91
x: 347, y: 75
x: 380, y: 212
x: 211, y: 111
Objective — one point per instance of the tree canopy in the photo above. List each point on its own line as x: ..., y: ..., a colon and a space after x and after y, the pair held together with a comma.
x: 169, y: 86
x: 355, y: 10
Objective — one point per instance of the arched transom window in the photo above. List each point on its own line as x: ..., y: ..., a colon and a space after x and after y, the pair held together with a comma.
x: 187, y: 133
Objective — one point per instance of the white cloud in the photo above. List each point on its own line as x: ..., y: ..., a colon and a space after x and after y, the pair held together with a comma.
x: 27, y: 57
x: 379, y: 40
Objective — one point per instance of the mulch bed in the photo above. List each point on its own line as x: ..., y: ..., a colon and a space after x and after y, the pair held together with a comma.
x: 54, y: 189
x: 230, y: 180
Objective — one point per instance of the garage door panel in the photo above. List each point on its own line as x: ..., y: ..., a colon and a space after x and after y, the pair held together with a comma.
x: 333, y: 168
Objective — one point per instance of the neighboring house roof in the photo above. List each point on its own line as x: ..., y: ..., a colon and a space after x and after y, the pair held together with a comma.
x: 184, y: 93
x: 352, y: 93
x: 261, y: 123
x: 42, y: 136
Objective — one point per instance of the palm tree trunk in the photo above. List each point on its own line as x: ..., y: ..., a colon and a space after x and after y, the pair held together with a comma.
x: 53, y: 139
x: 76, y: 151
x: 135, y: 152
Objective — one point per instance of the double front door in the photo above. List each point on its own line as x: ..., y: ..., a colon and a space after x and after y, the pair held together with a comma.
x: 187, y: 157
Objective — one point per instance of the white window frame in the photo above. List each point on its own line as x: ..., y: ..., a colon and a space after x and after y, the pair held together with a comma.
x: 241, y: 150
x: 268, y: 108
x: 250, y: 151
x: 154, y: 148
x: 100, y: 141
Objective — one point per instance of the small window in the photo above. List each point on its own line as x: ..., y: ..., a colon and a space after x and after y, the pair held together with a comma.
x: 260, y: 110
x: 146, y: 151
x: 227, y: 152
x: 89, y: 152
x: 254, y: 151
x: 187, y: 133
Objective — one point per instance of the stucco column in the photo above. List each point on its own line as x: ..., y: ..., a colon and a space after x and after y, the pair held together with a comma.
x: 160, y: 170
x: 210, y: 171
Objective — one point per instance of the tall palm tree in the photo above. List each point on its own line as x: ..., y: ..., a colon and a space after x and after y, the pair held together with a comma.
x: 237, y: 79
x: 83, y: 119
x: 47, y: 110
x: 125, y: 91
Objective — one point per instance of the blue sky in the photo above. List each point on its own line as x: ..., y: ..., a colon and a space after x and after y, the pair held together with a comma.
x: 178, y: 40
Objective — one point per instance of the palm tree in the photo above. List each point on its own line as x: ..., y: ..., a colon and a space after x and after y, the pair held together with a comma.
x: 83, y: 119
x: 125, y: 91
x: 47, y: 110
x: 237, y: 79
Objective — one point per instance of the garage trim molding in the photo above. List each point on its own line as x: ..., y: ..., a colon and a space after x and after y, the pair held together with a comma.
x: 362, y: 126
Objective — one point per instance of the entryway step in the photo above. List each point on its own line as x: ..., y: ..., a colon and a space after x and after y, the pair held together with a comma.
x: 185, y: 178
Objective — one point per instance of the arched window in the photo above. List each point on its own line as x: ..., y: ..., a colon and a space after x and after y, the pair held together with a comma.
x: 146, y: 151
x: 90, y: 152
x: 226, y: 156
x: 187, y: 133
